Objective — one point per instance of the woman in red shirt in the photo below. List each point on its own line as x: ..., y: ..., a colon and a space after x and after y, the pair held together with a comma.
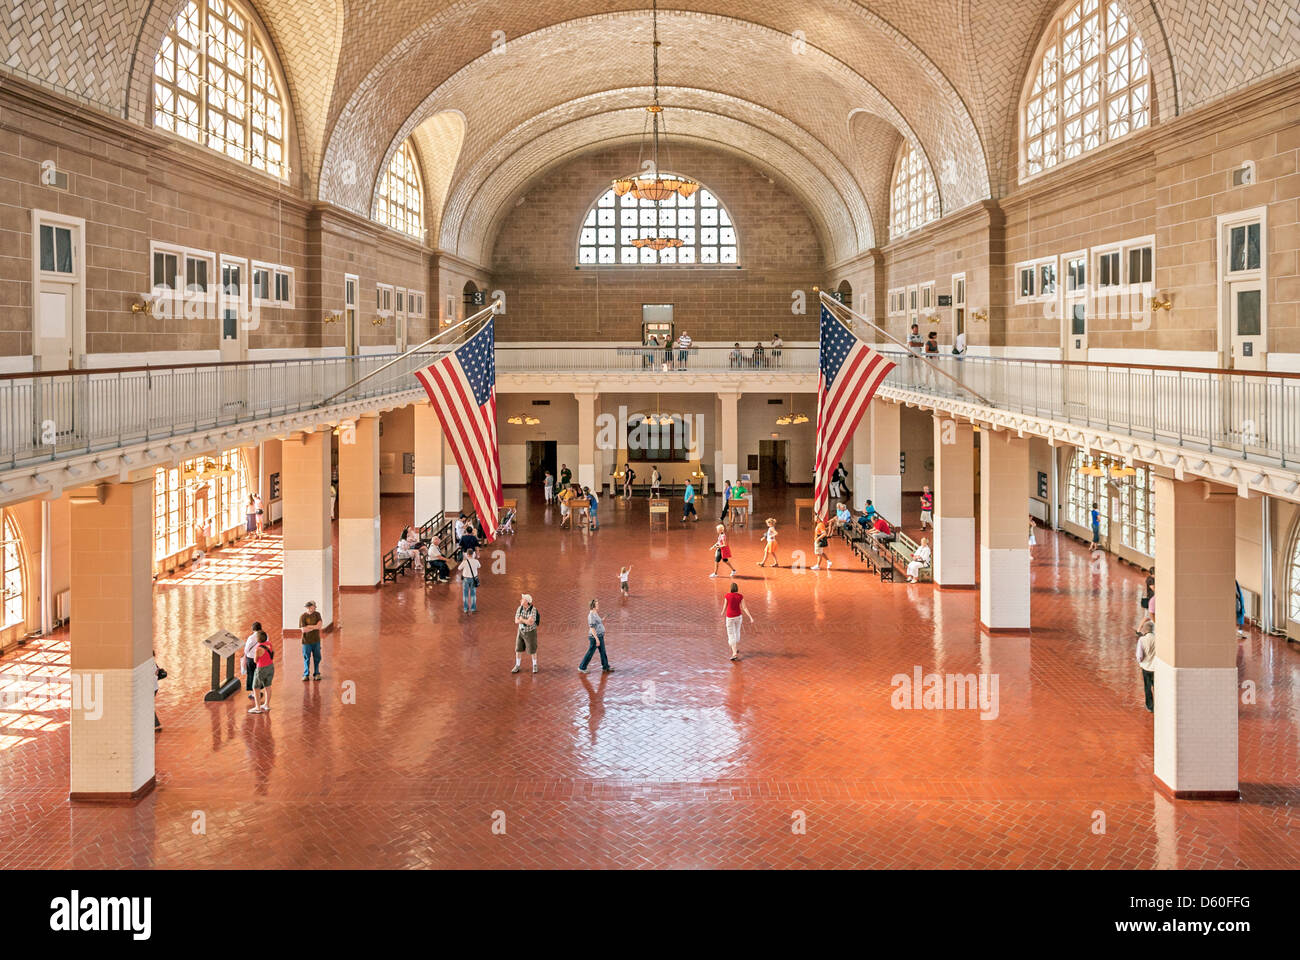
x: 732, y: 608
x: 264, y: 656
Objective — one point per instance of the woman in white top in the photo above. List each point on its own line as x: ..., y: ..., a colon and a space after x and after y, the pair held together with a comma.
x: 404, y: 548
x: 469, y: 567
x: 655, y: 478
x: 248, y: 662
x: 921, y: 558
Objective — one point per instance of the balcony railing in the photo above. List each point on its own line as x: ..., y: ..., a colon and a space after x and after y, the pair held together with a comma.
x: 1252, y: 415
x: 51, y: 416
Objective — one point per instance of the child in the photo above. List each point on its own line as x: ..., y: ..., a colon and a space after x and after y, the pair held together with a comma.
x: 623, y: 574
x: 769, y: 544
x: 821, y: 539
x: 721, y: 552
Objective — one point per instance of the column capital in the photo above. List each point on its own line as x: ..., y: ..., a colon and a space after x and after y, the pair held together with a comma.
x: 586, y: 395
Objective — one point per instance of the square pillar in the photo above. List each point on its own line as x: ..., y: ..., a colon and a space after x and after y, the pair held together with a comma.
x: 729, y: 434
x: 886, y: 483
x: 1004, y: 544
x: 862, y: 462
x: 1196, y: 646
x: 586, y: 439
x: 453, y: 497
x: 428, y: 463
x: 308, y: 546
x: 954, y: 503
x: 111, y: 737
x: 360, y: 551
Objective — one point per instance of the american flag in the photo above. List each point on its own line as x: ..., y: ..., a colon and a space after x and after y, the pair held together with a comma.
x: 850, y: 373
x: 462, y: 388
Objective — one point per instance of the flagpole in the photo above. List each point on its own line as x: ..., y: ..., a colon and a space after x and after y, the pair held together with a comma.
x: 828, y: 300
x: 437, y: 336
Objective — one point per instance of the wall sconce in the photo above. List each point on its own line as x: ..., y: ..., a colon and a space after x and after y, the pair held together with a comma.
x: 1158, y: 304
x: 331, y: 317
x: 980, y: 315
x: 143, y: 306
x: 932, y: 318
x: 377, y: 320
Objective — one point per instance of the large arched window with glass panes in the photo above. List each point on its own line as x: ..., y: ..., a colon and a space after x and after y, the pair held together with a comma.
x: 1293, y: 584
x: 399, y: 201
x: 1127, y: 497
x: 914, y: 201
x: 216, y: 83
x: 198, y: 502
x: 1091, y: 84
x: 613, y: 225
x: 13, y: 596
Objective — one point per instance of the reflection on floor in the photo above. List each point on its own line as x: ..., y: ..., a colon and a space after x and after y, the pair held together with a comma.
x: 420, y: 740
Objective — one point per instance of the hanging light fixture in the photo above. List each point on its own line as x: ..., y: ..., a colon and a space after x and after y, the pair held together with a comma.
x: 793, y: 418
x: 651, y: 184
x: 520, y: 420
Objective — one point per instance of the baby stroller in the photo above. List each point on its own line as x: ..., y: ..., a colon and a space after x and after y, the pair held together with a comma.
x: 507, y: 524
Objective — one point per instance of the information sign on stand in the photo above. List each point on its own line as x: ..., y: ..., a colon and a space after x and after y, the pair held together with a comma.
x: 225, y: 644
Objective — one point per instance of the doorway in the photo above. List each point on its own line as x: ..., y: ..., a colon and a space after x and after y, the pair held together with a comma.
x: 541, y: 456
x: 773, y: 462
x: 58, y: 281
x: 351, y: 333
x: 234, y: 308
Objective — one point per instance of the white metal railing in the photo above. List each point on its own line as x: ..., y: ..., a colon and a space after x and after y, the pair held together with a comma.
x: 1255, y: 416
x: 52, y: 416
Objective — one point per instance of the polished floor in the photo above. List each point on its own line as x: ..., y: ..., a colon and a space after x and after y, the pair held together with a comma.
x: 421, y: 749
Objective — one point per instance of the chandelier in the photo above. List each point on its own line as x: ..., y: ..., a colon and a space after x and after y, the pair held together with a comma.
x: 519, y: 420
x: 650, y: 184
x: 791, y: 418
x: 206, y: 469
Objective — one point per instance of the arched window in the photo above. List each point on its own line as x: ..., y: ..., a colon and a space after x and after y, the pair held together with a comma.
x: 1092, y: 85
x: 12, y: 596
x: 914, y: 201
x: 400, y: 201
x: 197, y: 502
x: 700, y: 221
x: 1293, y: 582
x: 214, y: 83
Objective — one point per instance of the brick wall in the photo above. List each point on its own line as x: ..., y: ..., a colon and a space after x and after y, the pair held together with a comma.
x: 536, y: 250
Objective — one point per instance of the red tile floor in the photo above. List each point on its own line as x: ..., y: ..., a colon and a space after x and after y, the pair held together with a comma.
x: 680, y: 758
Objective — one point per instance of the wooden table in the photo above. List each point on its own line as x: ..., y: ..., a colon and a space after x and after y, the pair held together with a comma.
x: 801, y: 504
x: 659, y: 511
x: 737, y: 510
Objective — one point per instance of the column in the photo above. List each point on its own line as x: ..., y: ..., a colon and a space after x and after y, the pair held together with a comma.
x: 954, y: 503
x: 1196, y: 647
x: 862, y: 462
x: 308, y: 547
x: 586, y: 439
x: 360, y: 551
x: 453, y: 497
x: 428, y: 463
x: 1004, y: 525
x: 729, y: 433
x: 886, y: 483
x: 111, y: 720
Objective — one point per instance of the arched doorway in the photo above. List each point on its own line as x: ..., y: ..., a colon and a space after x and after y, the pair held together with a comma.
x: 474, y: 299
x: 845, y: 291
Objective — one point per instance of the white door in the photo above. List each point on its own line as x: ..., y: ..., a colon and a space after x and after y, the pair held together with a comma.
x: 59, y: 293
x: 1247, y: 324
x: 351, y: 335
x: 399, y: 321
x: 232, y: 309
x: 1074, y: 307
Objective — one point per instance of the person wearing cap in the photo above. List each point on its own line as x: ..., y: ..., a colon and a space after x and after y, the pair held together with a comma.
x: 309, y: 623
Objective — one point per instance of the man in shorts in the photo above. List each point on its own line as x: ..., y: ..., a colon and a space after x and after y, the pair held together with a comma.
x: 527, y: 618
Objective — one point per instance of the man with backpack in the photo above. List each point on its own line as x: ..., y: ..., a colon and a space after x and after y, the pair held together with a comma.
x: 528, y: 618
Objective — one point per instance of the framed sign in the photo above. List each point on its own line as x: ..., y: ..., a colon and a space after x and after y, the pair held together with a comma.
x: 945, y: 300
x: 1042, y: 485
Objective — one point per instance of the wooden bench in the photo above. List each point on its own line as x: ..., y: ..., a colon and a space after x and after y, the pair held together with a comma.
x: 902, y: 551
x: 394, y: 566
x: 659, y: 511
x: 801, y: 504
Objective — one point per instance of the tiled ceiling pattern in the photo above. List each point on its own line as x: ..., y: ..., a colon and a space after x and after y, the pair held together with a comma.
x: 438, y: 142
x: 946, y: 74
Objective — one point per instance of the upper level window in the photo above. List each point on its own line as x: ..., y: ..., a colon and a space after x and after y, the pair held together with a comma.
x: 213, y: 83
x: 914, y: 201
x: 700, y: 221
x: 1092, y: 85
x: 400, y: 202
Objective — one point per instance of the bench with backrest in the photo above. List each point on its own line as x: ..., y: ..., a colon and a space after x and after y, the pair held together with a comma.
x: 902, y: 550
x: 394, y: 565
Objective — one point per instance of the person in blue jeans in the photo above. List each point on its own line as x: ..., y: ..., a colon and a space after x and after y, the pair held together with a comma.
x: 1095, y: 517
x: 469, y: 568
x: 688, y: 504
x: 309, y: 623
x: 595, y: 640
x: 594, y: 504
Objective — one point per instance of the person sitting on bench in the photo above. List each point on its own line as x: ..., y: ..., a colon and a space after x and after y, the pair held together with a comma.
x: 921, y: 558
x: 881, y: 530
x: 435, y: 559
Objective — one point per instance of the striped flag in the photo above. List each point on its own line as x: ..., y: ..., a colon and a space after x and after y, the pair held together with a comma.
x: 850, y: 373
x: 463, y: 389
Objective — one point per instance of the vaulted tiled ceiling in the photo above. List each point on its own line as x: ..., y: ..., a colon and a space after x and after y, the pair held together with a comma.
x: 819, y: 91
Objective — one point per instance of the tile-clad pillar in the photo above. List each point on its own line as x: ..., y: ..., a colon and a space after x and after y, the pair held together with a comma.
x: 886, y: 483
x: 360, y: 551
x: 1004, y: 525
x: 954, y: 503
x: 308, y: 547
x: 111, y: 737
x: 428, y: 463
x: 729, y: 431
x: 1196, y: 647
x: 862, y: 462
x: 453, y: 497
x: 586, y: 439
